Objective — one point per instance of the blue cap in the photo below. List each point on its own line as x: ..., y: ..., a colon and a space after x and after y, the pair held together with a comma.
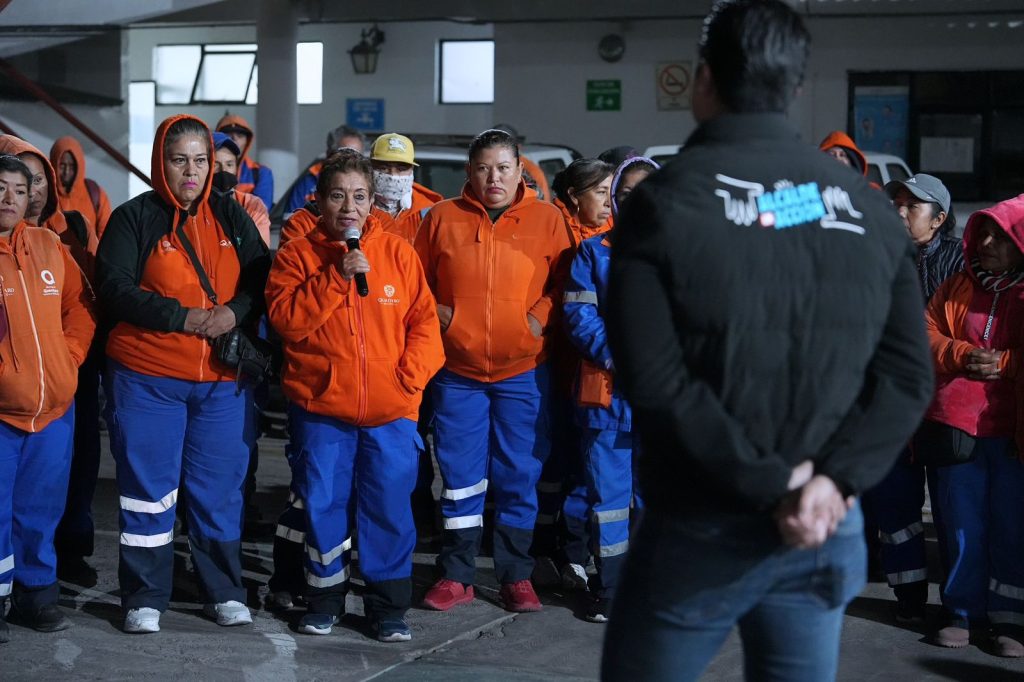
x: 222, y: 140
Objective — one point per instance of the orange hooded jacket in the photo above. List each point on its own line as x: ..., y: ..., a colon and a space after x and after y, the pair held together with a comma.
x: 48, y: 313
x: 52, y: 217
x: 149, y: 289
x: 960, y: 401
x: 78, y: 198
x: 257, y: 211
x: 249, y: 185
x: 493, y: 276
x: 541, y: 180
x: 407, y: 223
x: 362, y: 360
x: 837, y: 138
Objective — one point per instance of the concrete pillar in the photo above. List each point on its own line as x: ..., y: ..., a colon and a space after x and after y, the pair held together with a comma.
x: 277, y: 114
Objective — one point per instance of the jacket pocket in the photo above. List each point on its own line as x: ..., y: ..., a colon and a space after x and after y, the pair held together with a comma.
x: 387, y: 399
x: 595, y: 386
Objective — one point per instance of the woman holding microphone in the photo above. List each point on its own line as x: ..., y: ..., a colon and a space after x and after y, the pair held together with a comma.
x: 361, y: 339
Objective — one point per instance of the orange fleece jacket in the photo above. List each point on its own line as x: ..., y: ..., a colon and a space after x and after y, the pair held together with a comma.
x: 363, y: 360
x: 78, y: 198
x: 407, y: 223
x: 50, y: 323
x: 169, y: 272
x: 52, y: 216
x: 493, y: 276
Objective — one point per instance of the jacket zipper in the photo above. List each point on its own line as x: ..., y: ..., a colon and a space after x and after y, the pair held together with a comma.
x: 991, y: 317
x: 7, y: 317
x: 489, y: 304
x: 204, y: 346
x: 39, y: 351
x: 364, y: 380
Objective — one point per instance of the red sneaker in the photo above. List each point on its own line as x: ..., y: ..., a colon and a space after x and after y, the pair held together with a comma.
x: 519, y: 597
x: 447, y: 593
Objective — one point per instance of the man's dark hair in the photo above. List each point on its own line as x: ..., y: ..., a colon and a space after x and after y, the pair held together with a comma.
x: 493, y: 138
x: 345, y: 160
x: 756, y: 51
x: 949, y: 224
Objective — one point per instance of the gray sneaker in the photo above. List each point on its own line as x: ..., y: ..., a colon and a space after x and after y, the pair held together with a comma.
x: 142, y: 621
x: 229, y: 613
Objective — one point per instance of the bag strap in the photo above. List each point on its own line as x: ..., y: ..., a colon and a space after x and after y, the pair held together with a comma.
x: 94, y: 194
x: 204, y: 280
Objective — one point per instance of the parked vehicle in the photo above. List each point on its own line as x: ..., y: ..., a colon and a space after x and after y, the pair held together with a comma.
x: 883, y: 168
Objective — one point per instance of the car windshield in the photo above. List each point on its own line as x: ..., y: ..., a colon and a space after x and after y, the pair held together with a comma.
x: 444, y: 176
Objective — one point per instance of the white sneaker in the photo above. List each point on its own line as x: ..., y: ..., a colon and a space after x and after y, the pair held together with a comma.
x: 574, y: 577
x: 229, y: 613
x: 142, y: 621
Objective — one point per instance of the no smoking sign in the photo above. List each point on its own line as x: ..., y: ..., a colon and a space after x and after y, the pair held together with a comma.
x: 673, y: 81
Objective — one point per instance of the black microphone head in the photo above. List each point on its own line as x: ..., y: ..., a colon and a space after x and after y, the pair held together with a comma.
x: 351, y: 233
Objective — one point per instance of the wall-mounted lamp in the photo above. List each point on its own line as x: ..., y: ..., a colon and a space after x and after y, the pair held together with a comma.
x: 364, y: 55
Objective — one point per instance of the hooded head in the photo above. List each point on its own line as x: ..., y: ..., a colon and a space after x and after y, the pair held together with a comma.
x: 234, y: 125
x: 1008, y: 218
x: 840, y: 141
x: 624, y: 179
x: 75, y: 160
x: 9, y: 144
x: 172, y: 130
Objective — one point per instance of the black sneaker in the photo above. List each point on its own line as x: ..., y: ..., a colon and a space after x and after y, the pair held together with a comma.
x: 47, y: 618
x: 5, y: 632
x: 599, y: 609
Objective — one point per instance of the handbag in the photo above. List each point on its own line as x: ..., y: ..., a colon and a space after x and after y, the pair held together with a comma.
x: 936, y: 444
x: 251, y: 357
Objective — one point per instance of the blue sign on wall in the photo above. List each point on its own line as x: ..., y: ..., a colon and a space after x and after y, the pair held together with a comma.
x: 365, y: 114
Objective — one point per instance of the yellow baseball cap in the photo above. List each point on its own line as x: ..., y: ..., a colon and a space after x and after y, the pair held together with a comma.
x: 393, y: 147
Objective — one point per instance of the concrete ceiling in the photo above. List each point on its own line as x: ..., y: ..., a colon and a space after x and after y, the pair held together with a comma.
x: 244, y: 11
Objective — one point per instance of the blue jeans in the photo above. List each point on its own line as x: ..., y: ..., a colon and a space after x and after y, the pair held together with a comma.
x: 687, y: 583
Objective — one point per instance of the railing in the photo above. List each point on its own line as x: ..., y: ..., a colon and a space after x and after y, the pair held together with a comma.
x: 33, y: 88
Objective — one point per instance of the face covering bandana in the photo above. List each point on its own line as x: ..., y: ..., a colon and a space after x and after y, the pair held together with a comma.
x: 394, y: 192
x: 224, y: 181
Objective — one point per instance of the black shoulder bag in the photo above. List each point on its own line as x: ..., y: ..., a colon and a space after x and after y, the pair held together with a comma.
x: 251, y: 357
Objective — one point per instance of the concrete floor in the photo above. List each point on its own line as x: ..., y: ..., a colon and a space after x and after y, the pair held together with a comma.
x: 479, y: 641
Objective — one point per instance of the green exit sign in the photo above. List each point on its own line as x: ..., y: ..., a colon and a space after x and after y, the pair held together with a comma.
x: 604, y: 95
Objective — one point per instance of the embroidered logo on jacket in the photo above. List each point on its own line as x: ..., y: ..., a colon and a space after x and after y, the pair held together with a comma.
x: 51, y: 283
x: 389, y: 296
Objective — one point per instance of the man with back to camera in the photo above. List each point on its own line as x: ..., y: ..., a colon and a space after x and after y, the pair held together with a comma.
x: 765, y: 322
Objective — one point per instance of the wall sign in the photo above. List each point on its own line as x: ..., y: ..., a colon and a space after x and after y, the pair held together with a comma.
x: 604, y: 95
x: 365, y: 114
x: 673, y: 81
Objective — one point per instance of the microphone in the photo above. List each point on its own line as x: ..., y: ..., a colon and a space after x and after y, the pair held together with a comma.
x: 352, y: 242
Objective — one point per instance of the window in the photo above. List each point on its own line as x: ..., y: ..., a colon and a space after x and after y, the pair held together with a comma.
x: 228, y: 73
x: 466, y: 72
